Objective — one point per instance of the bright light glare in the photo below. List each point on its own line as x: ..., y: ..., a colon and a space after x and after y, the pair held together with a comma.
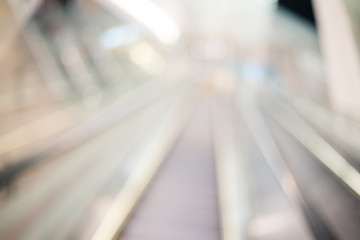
x: 253, y: 73
x: 119, y: 36
x: 145, y: 56
x: 150, y: 15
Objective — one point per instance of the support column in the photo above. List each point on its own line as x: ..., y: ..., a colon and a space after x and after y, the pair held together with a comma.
x: 341, y: 56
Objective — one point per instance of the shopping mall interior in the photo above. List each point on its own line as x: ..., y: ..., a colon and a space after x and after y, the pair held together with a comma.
x: 179, y: 119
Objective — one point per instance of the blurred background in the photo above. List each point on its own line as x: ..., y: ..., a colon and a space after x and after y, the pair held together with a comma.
x: 179, y: 119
